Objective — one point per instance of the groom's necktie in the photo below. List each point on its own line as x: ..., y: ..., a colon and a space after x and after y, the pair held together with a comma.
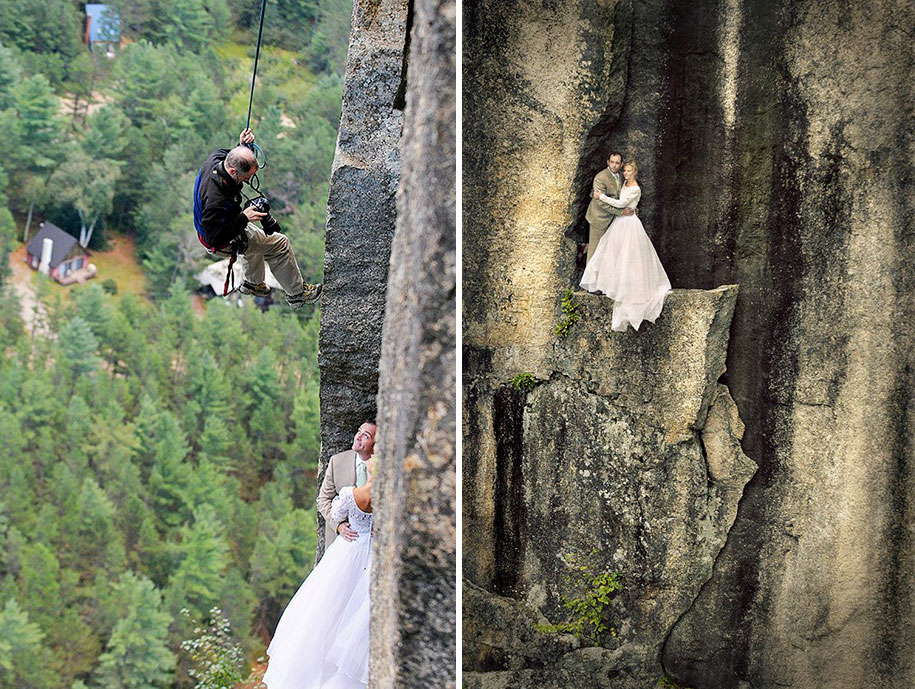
x: 362, y: 475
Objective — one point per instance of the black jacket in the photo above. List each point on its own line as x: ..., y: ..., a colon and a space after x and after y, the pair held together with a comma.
x: 220, y: 196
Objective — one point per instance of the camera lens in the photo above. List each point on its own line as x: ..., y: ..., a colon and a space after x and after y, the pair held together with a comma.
x: 269, y: 223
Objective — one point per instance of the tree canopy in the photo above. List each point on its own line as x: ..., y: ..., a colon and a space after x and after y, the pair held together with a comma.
x: 159, y: 454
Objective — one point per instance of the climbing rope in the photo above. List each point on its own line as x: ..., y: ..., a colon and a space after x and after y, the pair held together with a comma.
x: 257, y: 52
x: 254, y: 182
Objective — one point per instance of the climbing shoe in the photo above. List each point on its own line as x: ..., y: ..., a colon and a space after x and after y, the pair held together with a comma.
x: 308, y: 296
x: 258, y: 290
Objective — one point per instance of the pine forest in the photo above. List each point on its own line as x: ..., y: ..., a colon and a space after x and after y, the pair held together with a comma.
x: 158, y: 443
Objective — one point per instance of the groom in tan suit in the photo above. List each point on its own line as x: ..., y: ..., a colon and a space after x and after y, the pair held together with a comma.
x: 599, y: 216
x: 345, y: 469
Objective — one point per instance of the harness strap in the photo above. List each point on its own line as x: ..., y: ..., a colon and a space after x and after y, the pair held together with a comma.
x: 230, y: 273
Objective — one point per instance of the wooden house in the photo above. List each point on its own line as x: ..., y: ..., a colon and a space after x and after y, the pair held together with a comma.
x: 55, y: 252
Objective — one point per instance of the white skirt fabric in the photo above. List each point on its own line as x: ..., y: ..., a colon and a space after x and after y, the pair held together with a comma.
x: 322, y: 639
x: 626, y: 268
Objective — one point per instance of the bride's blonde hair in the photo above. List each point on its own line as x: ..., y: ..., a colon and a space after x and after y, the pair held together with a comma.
x: 635, y: 167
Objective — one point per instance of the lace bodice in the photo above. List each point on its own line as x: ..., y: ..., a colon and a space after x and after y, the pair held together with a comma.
x: 629, y: 197
x: 344, y: 508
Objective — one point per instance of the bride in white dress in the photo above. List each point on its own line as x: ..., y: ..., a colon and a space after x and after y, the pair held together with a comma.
x: 625, y: 266
x: 322, y: 639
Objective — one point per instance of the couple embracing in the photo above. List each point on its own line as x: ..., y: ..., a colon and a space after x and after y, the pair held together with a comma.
x: 322, y: 639
x: 622, y: 263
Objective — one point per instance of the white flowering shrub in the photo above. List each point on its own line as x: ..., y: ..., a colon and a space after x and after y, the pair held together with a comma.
x: 217, y: 661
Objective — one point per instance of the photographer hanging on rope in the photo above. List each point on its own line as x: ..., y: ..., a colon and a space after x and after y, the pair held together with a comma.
x: 225, y: 228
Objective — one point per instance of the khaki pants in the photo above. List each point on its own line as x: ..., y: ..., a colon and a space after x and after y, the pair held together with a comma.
x: 593, y: 238
x: 277, y: 252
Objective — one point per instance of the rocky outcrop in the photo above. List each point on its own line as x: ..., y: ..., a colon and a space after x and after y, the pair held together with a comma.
x: 361, y: 213
x: 818, y: 574
x: 626, y: 455
x: 413, y: 590
x: 774, y: 153
x: 391, y: 327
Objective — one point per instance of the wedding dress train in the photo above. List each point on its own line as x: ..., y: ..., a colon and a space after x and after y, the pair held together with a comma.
x: 626, y: 267
x: 322, y: 639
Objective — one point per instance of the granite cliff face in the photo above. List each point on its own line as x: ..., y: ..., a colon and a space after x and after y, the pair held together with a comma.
x: 361, y: 215
x: 626, y: 456
x: 414, y: 594
x: 388, y: 323
x: 775, y: 148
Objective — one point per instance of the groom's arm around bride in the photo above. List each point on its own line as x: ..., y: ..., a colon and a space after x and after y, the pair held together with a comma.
x: 342, y: 471
x: 608, y: 181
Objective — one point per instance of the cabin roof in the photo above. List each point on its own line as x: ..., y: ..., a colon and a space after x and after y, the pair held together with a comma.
x: 63, y: 242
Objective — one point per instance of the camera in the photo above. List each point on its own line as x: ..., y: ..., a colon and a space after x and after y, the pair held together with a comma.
x: 261, y: 205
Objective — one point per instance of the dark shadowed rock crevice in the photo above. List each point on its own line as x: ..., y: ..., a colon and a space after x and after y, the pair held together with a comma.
x: 508, y: 418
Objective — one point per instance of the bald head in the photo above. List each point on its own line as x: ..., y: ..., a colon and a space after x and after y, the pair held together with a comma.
x: 241, y: 159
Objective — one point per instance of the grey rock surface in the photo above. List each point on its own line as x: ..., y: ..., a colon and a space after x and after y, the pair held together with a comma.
x: 414, y: 597
x: 626, y: 456
x: 361, y: 212
x: 774, y: 153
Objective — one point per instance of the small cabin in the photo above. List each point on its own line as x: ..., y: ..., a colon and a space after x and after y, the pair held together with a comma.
x: 55, y: 252
x: 103, y: 28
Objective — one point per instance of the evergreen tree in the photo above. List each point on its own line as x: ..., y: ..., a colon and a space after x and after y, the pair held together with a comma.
x: 209, y: 392
x: 23, y: 660
x: 7, y: 232
x: 76, y: 648
x: 12, y: 447
x: 170, y: 477
x: 266, y: 425
x: 137, y: 655
x: 203, y: 555
x: 80, y: 80
x: 215, y: 443
x: 143, y: 76
x: 111, y: 443
x: 93, y: 307
x: 189, y: 25
x: 97, y: 543
x: 79, y: 347
x: 39, y: 584
x: 37, y: 106
x: 78, y: 426
x: 12, y: 328
x: 326, y: 51
x: 283, y: 550
x: 306, y: 418
x: 287, y: 22
x: 10, y: 76
x: 20, y: 496
x: 147, y: 424
x: 106, y: 136
x: 41, y: 26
